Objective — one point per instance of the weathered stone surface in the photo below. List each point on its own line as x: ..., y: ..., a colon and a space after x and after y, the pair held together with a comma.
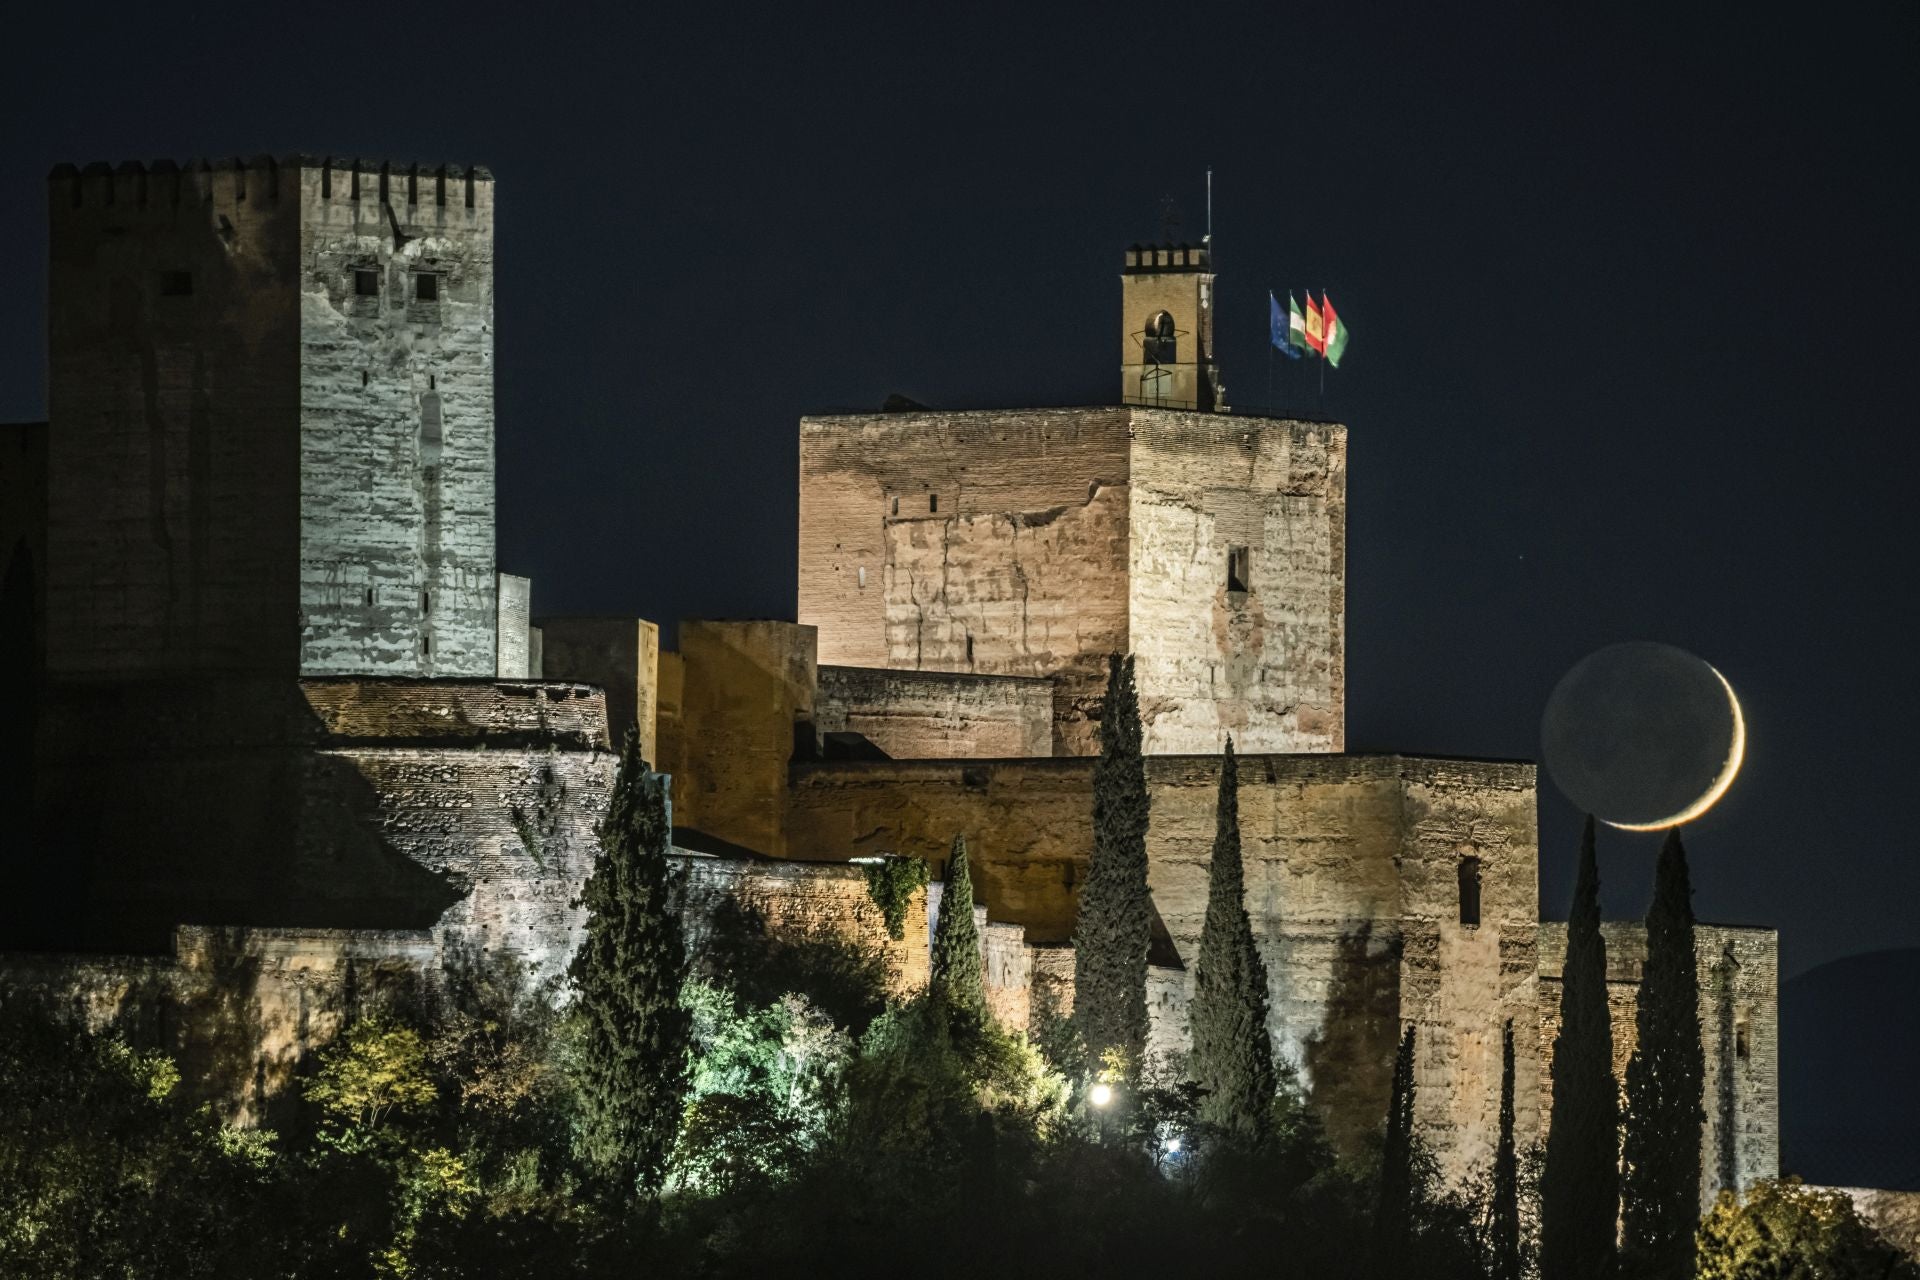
x: 914, y: 715
x: 1894, y: 1214
x: 1036, y: 542
x: 622, y: 657
x: 255, y: 467
x: 1739, y: 1029
x: 513, y: 630
x: 1353, y: 874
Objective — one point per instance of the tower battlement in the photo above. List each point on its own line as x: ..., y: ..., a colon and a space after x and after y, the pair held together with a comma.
x: 1142, y: 258
x: 167, y: 184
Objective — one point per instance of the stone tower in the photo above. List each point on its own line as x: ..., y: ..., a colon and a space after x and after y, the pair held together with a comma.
x: 1166, y: 342
x: 271, y: 403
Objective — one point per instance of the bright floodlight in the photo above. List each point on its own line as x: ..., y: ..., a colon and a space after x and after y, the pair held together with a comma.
x: 1171, y: 1146
x: 1100, y: 1095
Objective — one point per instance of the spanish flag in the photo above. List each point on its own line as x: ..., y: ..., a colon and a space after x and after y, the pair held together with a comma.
x: 1316, y: 327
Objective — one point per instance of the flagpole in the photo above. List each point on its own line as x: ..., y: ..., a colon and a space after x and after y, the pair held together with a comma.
x: 1323, y: 354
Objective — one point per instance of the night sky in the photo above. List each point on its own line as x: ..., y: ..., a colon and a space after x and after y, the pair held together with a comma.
x: 1632, y: 302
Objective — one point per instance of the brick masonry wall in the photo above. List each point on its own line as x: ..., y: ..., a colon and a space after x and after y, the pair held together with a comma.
x: 1739, y: 1031
x: 1267, y: 664
x: 1019, y: 570
x: 914, y: 715
x: 396, y: 426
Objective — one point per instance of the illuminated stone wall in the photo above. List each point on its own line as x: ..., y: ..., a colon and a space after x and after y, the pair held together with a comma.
x: 1739, y: 1030
x: 914, y: 715
x: 1353, y: 883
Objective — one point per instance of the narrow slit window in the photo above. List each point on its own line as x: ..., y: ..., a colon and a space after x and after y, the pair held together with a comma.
x: 896, y: 506
x: 933, y: 502
x: 969, y: 649
x: 369, y: 595
x: 423, y: 646
x: 1239, y: 568
x: 1470, y: 892
x: 366, y: 284
x: 426, y: 602
x: 1742, y: 1040
x: 426, y: 287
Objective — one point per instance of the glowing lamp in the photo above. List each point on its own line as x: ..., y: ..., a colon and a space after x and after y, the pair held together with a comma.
x: 1100, y: 1095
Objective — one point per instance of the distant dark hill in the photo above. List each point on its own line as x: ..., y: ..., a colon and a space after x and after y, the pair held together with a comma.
x: 1850, y: 1072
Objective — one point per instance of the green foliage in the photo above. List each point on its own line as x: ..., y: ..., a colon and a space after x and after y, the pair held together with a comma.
x: 1232, y: 1057
x: 631, y: 1060
x: 1660, y: 1174
x: 955, y: 979
x: 1580, y: 1183
x: 891, y: 883
x: 1504, y: 1207
x: 1399, y: 1187
x: 375, y: 1071
x: 1115, y: 922
x: 1783, y: 1231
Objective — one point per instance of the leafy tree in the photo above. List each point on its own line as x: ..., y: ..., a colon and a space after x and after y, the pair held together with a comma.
x: 1232, y: 1050
x: 1399, y: 1159
x: 1784, y: 1231
x: 634, y: 1033
x: 956, y: 980
x: 1660, y: 1181
x: 1505, y: 1207
x: 376, y: 1071
x: 1580, y: 1184
x: 1115, y: 923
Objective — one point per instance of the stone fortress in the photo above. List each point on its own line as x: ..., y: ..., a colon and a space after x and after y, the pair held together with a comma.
x: 297, y: 738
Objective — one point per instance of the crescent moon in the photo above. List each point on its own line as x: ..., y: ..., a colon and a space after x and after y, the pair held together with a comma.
x: 1736, y: 752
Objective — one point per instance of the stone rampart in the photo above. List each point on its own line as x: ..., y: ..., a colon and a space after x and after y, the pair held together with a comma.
x: 913, y: 715
x: 1739, y: 1031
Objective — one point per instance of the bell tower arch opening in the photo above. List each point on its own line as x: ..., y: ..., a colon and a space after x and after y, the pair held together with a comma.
x: 1166, y: 349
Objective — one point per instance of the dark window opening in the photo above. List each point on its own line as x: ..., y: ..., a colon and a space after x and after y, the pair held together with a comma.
x: 969, y: 648
x: 1741, y: 1047
x: 176, y: 284
x: 896, y: 506
x: 1470, y: 892
x: 426, y: 602
x: 363, y: 377
x: 1239, y: 568
x: 369, y: 595
x: 423, y: 646
x: 1160, y: 344
x: 426, y: 288
x: 933, y: 502
x: 366, y: 284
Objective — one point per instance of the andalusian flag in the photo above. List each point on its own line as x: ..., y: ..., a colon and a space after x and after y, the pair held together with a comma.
x: 1296, y: 327
x: 1316, y: 327
x: 1336, y: 333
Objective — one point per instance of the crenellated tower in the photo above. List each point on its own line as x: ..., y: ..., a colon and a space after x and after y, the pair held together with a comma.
x: 272, y: 427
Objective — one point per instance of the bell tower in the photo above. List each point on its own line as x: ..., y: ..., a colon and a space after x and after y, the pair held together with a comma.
x: 1166, y: 341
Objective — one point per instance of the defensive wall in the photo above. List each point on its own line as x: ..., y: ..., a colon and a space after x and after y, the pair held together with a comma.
x: 1739, y: 1031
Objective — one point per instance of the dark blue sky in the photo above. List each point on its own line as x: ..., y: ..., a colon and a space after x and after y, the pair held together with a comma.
x: 1632, y: 301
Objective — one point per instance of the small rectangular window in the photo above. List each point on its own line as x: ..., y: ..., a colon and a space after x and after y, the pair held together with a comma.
x: 426, y: 287
x: 1470, y: 892
x: 1742, y: 1046
x: 896, y: 506
x: 366, y: 284
x: 933, y: 502
x: 176, y: 284
x: 1239, y: 568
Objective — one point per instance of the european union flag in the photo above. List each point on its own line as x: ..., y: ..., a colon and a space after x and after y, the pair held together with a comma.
x: 1279, y: 323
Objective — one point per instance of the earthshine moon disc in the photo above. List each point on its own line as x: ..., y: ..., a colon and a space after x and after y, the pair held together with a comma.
x: 1643, y: 735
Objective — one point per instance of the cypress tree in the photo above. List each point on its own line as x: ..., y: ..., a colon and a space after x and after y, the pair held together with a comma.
x: 956, y: 980
x: 1115, y: 923
x: 1506, y: 1175
x: 1580, y: 1186
x: 1660, y: 1182
x: 1393, y: 1216
x: 1232, y: 1050
x: 633, y: 1059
